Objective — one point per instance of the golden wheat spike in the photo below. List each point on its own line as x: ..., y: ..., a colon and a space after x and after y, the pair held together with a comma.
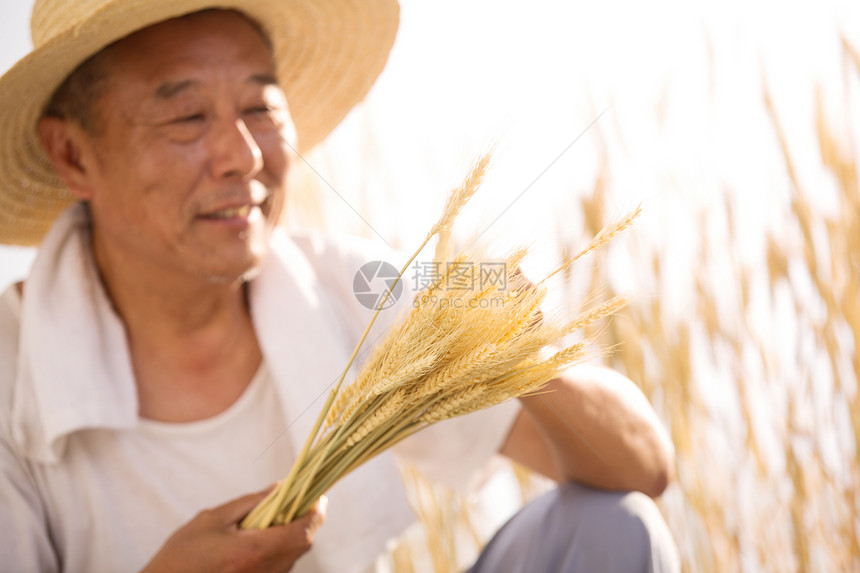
x: 605, y: 235
x: 601, y: 311
x: 461, y: 195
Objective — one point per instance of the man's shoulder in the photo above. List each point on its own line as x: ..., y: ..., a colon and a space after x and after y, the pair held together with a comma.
x: 327, y: 249
x: 338, y: 259
x: 352, y: 276
x: 10, y: 321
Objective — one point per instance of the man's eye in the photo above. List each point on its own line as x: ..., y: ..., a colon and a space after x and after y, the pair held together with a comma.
x: 259, y: 109
x: 190, y: 118
x: 187, y: 128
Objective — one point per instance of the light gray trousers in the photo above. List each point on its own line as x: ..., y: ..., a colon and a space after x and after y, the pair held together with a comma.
x: 576, y: 529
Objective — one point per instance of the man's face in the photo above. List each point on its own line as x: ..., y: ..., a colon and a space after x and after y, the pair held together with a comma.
x: 191, y: 151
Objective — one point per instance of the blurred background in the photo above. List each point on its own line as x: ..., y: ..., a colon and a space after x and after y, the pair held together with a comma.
x: 736, y: 125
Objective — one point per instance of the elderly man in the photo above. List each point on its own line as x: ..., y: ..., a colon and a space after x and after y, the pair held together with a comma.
x: 169, y: 331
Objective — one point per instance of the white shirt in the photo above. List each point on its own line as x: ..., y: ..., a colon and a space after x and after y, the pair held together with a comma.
x: 86, y: 485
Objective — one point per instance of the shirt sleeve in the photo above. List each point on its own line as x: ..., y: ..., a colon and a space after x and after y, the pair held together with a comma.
x: 25, y: 543
x: 458, y: 452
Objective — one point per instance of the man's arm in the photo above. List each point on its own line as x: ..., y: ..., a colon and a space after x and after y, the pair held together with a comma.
x: 595, y: 426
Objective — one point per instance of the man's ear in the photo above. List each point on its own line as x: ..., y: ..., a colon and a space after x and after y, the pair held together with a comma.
x: 66, y: 144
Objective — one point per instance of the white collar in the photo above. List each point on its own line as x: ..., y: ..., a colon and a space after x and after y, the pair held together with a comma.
x: 74, y: 370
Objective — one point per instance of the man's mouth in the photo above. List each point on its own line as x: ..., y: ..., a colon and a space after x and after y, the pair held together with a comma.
x: 230, y: 213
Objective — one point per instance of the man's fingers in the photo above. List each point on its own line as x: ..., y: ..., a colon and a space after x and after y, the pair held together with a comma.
x: 233, y: 511
x: 316, y: 514
x: 296, y: 536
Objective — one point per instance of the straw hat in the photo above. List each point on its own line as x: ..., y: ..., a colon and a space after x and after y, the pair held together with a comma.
x: 328, y: 53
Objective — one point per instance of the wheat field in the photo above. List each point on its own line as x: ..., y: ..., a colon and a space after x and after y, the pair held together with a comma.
x: 766, y: 428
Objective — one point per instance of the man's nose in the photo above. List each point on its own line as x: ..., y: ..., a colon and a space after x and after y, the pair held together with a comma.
x: 236, y: 153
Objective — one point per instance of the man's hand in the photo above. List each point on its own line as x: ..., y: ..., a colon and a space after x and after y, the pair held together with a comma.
x: 212, y: 541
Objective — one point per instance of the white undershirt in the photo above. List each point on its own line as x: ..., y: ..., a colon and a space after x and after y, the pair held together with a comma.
x: 253, y: 450
x: 249, y: 456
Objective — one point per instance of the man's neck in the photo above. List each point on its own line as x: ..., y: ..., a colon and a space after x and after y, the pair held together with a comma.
x: 192, y: 343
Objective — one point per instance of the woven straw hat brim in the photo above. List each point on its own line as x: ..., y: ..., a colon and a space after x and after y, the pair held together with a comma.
x: 328, y: 53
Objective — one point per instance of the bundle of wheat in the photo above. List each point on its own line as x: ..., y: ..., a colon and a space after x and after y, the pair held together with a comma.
x: 455, y: 352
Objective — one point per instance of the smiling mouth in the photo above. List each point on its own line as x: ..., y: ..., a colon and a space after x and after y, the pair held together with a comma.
x: 231, y: 213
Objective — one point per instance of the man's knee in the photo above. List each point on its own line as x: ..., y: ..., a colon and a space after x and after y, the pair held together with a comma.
x: 615, y: 531
x: 575, y: 528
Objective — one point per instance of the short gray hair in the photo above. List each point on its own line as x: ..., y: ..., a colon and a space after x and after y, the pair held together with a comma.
x: 76, y: 97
